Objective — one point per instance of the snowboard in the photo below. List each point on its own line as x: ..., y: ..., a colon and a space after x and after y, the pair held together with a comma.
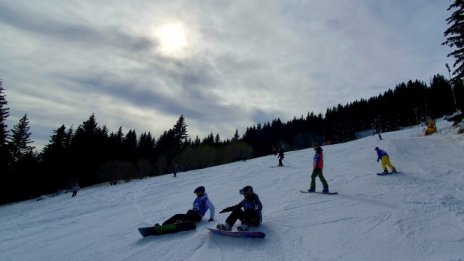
x: 167, y: 229
x: 389, y: 173
x: 319, y: 192
x: 239, y: 234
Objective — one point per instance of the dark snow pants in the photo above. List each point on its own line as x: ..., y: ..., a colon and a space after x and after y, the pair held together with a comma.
x: 318, y: 173
x: 191, y: 215
x: 248, y: 217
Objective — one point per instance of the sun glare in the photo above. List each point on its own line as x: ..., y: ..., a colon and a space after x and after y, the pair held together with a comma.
x: 172, y: 40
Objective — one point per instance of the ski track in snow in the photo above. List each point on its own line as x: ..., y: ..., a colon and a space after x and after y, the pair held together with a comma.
x: 415, y: 215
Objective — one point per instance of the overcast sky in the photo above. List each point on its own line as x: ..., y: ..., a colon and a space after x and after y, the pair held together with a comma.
x: 224, y: 65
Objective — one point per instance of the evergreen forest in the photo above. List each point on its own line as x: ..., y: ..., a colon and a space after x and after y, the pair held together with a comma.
x: 92, y: 154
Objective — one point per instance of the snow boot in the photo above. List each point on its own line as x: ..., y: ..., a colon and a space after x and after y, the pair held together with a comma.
x: 225, y: 227
x: 242, y: 227
x: 325, y: 191
x: 311, y: 190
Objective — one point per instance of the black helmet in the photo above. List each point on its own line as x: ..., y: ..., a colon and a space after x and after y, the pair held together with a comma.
x: 246, y: 190
x: 318, y: 149
x: 376, y: 148
x: 200, y: 189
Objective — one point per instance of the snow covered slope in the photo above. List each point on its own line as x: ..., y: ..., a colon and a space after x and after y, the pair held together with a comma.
x: 416, y: 215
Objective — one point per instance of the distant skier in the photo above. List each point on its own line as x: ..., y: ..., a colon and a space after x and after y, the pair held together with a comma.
x: 201, y: 204
x: 385, y: 160
x: 281, y: 156
x: 251, y: 215
x: 176, y: 169
x: 75, y: 189
x: 318, y: 165
x: 274, y: 150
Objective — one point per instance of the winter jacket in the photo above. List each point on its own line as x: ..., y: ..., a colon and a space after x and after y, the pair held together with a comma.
x: 318, y: 162
x: 202, y: 204
x: 75, y: 188
x: 250, y: 203
x: 381, y: 154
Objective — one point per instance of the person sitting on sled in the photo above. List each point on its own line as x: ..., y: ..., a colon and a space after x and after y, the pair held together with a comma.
x: 318, y: 165
x: 251, y: 215
x: 201, y: 204
x: 385, y: 160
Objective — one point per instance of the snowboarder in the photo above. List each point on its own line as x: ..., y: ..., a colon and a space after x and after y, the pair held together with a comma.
x: 75, y: 189
x: 318, y: 165
x: 201, y: 204
x: 281, y: 156
x: 385, y: 160
x: 251, y: 215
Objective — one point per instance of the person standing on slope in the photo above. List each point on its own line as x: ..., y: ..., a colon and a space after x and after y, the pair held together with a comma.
x: 75, y: 189
x: 318, y: 165
x: 281, y: 157
x: 385, y: 160
x: 251, y: 215
x: 201, y: 204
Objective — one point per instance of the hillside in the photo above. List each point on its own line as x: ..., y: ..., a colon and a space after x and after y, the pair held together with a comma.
x: 415, y: 215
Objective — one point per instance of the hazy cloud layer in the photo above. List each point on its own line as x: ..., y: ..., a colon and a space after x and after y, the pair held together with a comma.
x: 244, y: 62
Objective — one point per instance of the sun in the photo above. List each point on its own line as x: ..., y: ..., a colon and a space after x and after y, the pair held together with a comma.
x: 172, y: 40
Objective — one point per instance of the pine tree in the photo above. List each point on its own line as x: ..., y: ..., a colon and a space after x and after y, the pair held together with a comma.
x: 236, y: 136
x: 180, y: 131
x: 4, y: 155
x: 455, y: 37
x: 20, y: 139
x: 55, y: 159
x: 3, y: 116
x: 57, y: 141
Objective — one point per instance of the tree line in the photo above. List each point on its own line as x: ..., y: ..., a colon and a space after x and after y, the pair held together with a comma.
x: 92, y: 154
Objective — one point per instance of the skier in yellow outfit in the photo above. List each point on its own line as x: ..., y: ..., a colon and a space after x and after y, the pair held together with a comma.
x: 385, y: 160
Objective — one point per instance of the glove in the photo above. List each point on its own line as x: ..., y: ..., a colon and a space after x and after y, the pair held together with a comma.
x: 223, y: 211
x: 377, y: 160
x: 210, y: 219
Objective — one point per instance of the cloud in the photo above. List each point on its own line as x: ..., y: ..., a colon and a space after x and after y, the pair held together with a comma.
x: 247, y: 62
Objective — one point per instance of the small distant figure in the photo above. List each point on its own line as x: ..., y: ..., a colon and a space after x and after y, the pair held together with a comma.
x: 385, y: 160
x: 380, y: 137
x: 176, y: 169
x: 75, y: 189
x: 431, y: 128
x: 274, y: 150
x: 318, y: 165
x: 281, y: 157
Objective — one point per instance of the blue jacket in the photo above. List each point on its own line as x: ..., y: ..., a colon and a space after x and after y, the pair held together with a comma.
x: 202, y: 204
x: 381, y: 154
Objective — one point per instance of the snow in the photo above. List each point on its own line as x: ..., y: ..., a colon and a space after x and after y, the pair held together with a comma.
x: 415, y: 215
